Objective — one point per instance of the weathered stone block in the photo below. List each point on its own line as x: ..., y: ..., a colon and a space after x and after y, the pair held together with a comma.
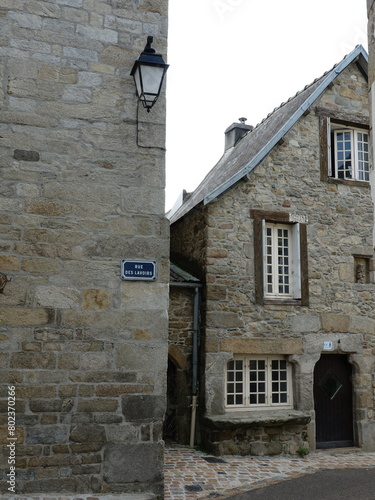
x: 88, y: 433
x: 117, y: 390
x: 23, y: 155
x: 96, y: 299
x: 150, y: 356
x: 44, y: 9
x: 58, y: 297
x: 97, y: 405
x: 33, y: 360
x: 69, y: 361
x: 57, y: 74
x: 133, y: 463
x: 224, y: 319
x: 9, y: 263
x: 47, y: 434
x: 96, y: 360
x: 25, y: 316
x: 143, y: 407
x: 47, y: 208
x: 144, y: 295
x: 305, y: 323
x: 335, y: 322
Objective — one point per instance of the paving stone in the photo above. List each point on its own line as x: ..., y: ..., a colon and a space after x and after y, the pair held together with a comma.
x: 191, y: 475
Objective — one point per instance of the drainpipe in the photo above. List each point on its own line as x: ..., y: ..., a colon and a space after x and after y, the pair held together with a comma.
x: 195, y: 366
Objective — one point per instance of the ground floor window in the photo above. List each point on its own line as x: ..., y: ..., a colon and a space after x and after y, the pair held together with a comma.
x: 257, y: 382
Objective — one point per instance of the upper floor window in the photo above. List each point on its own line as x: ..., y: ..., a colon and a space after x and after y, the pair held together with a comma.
x: 280, y: 258
x: 281, y: 255
x: 344, y: 147
x: 350, y: 154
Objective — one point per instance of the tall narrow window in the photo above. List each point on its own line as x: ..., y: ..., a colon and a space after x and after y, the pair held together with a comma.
x: 278, y: 256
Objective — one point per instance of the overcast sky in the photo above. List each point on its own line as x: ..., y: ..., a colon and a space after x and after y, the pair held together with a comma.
x: 242, y: 58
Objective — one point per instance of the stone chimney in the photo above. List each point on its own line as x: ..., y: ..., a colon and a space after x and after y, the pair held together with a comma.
x: 235, y: 132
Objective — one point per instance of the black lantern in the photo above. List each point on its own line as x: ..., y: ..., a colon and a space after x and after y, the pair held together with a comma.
x: 148, y: 72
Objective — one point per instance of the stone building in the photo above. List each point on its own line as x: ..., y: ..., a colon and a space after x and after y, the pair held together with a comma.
x: 83, y: 351
x: 371, y: 78
x: 280, y: 233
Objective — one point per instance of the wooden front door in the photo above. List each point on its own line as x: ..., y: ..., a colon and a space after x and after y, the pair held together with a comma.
x: 333, y: 401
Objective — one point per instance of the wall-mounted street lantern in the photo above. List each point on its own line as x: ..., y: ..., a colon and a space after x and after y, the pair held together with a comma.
x: 148, y: 72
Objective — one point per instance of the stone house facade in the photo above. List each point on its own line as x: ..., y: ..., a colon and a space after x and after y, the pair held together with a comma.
x: 280, y: 233
x: 82, y: 177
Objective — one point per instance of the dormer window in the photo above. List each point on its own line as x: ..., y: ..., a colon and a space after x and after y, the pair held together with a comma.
x: 350, y: 154
x: 344, y: 148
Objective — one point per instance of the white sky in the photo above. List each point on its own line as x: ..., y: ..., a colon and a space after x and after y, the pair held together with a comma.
x: 234, y: 58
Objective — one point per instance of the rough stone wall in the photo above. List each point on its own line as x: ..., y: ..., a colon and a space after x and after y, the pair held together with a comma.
x: 340, y: 224
x: 189, y: 239
x: 180, y: 354
x: 82, y: 187
x: 181, y: 319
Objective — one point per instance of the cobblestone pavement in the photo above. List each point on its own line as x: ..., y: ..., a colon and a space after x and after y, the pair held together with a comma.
x: 191, y: 474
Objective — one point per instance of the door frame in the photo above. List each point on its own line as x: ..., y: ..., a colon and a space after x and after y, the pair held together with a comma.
x: 335, y: 443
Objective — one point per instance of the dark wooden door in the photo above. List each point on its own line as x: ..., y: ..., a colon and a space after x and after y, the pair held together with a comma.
x: 333, y: 401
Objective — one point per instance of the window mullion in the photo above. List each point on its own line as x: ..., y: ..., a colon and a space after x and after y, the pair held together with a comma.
x: 246, y: 379
x: 275, y: 264
x: 355, y: 155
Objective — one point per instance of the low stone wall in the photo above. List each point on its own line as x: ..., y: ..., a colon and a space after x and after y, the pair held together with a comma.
x: 274, y: 435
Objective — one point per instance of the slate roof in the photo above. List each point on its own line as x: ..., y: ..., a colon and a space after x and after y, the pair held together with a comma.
x: 255, y: 146
x: 180, y: 276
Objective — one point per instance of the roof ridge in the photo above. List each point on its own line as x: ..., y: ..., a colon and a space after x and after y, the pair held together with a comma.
x: 302, y: 90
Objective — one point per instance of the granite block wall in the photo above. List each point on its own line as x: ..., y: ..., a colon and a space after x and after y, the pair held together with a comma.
x: 82, y: 187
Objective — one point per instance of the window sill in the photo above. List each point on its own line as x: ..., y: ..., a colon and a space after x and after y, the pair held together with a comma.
x: 282, y: 302
x: 266, y: 417
x: 348, y: 182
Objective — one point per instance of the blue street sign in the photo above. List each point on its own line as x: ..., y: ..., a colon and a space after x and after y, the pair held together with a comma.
x: 138, y: 270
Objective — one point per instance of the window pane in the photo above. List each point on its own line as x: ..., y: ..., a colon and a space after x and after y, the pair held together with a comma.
x: 253, y: 387
x: 362, y: 157
x: 235, y: 391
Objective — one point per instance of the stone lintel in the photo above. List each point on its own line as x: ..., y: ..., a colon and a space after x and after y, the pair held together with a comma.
x: 262, y: 346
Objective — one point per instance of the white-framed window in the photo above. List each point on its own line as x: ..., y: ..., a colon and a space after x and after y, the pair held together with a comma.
x: 281, y: 260
x: 350, y: 153
x: 258, y: 382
